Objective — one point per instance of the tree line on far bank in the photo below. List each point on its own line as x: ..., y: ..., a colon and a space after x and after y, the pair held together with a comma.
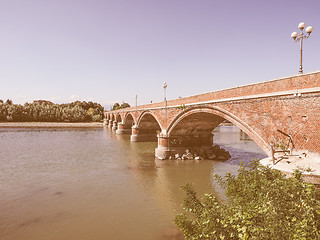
x: 44, y: 111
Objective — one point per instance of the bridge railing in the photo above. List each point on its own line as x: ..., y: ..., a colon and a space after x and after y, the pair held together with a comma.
x: 286, y: 84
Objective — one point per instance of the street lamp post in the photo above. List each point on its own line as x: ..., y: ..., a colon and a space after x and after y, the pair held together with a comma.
x: 165, y: 93
x: 302, y: 36
x: 165, y: 100
x: 136, y: 106
x: 166, y: 110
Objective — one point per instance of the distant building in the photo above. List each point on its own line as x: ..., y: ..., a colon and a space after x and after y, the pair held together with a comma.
x: 42, y: 101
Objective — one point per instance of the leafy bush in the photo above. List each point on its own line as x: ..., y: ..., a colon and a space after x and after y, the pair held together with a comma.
x: 262, y: 204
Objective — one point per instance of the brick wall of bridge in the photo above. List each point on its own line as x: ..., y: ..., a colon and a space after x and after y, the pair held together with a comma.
x: 260, y: 117
x: 304, y: 81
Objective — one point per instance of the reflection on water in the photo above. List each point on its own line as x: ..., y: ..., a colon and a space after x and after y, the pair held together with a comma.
x: 240, y: 146
x: 93, y: 184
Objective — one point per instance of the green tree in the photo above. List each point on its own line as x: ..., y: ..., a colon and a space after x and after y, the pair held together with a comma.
x: 10, y: 112
x: 262, y: 204
x: 96, y: 118
x: 48, y: 112
x: 116, y: 106
x: 9, y: 102
x: 124, y: 105
x: 3, y: 112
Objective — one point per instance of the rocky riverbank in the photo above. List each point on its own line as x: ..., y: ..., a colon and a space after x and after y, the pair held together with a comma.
x: 212, y: 153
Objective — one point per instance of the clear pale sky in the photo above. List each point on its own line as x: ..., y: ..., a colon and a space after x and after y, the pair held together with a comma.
x: 110, y: 50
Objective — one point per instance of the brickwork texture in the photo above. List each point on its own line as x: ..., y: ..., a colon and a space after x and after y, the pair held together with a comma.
x: 254, y: 108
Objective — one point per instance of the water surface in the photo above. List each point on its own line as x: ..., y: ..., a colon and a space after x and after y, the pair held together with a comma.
x: 92, y: 184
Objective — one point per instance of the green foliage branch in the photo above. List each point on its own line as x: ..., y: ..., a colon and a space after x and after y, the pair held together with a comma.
x: 262, y: 204
x: 182, y: 107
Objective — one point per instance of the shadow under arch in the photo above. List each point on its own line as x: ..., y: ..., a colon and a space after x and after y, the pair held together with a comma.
x: 125, y: 127
x: 147, y: 127
x: 118, y: 118
x: 147, y: 114
x: 128, y: 119
x: 203, y: 119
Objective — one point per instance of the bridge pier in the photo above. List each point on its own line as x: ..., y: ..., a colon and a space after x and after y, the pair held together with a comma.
x: 139, y: 135
x: 110, y: 124
x: 169, y: 146
x: 163, y: 149
x: 105, y: 122
x: 114, y: 126
x: 192, y: 141
x: 122, y: 129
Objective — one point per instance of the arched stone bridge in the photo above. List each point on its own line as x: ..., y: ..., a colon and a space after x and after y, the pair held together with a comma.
x: 291, y: 105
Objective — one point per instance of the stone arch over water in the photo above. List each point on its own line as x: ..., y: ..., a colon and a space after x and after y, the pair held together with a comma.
x: 147, y: 128
x: 128, y: 120
x: 194, y: 126
x: 125, y: 127
x: 118, y: 118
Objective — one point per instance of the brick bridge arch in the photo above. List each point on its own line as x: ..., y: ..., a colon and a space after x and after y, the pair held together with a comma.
x: 128, y: 119
x: 124, y: 124
x: 291, y: 105
x: 147, y: 127
x: 202, y: 120
x: 117, y: 119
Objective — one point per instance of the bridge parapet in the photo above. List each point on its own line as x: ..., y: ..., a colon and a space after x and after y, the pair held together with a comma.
x: 287, y: 84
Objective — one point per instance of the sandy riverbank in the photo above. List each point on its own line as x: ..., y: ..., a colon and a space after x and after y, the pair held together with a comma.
x: 308, y: 164
x: 50, y: 125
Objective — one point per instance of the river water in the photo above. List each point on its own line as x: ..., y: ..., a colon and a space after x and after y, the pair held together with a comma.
x: 90, y: 184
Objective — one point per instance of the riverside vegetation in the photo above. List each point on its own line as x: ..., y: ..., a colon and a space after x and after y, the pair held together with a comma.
x: 49, y: 112
x: 262, y: 204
